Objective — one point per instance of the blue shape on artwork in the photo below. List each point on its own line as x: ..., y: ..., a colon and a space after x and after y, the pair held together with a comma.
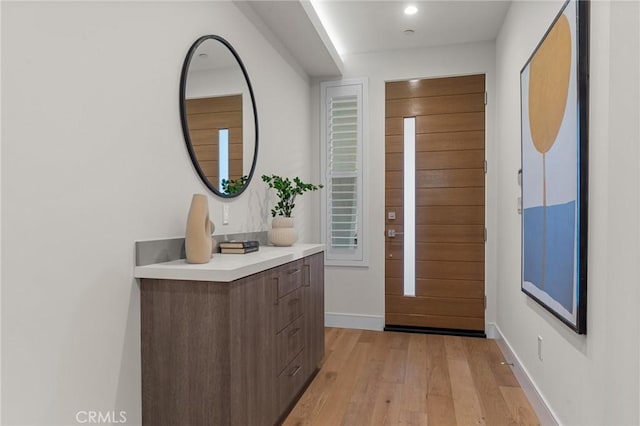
x: 560, y: 243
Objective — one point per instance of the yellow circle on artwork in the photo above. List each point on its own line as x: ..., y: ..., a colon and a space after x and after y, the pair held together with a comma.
x: 549, y: 85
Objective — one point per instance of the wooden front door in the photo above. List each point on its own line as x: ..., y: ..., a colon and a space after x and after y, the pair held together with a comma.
x: 205, y: 118
x: 447, y: 201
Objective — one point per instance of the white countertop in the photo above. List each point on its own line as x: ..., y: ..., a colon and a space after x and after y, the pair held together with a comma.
x: 228, y: 267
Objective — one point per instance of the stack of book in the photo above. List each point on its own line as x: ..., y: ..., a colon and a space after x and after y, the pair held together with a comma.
x: 238, y: 247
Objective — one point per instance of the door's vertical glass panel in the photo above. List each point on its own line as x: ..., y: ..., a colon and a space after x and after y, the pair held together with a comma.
x: 223, y: 155
x: 409, y: 206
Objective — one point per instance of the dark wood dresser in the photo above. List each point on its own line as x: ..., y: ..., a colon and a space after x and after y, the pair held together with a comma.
x: 231, y: 353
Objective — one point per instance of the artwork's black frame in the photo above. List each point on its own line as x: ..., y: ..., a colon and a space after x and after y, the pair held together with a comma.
x: 183, y: 114
x: 582, y: 73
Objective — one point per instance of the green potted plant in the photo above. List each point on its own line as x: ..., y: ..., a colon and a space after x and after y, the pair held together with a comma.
x: 283, y: 233
x: 233, y: 186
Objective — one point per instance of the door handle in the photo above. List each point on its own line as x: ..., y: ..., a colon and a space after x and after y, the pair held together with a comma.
x: 391, y: 233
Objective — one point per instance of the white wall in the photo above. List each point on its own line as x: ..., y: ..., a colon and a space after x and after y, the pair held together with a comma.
x: 353, y: 292
x: 590, y: 379
x: 93, y: 159
x: 1, y: 238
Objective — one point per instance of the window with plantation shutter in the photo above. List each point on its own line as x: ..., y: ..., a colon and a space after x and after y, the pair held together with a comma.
x: 342, y: 143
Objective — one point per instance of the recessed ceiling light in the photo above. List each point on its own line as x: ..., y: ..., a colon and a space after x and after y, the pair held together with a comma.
x: 410, y: 10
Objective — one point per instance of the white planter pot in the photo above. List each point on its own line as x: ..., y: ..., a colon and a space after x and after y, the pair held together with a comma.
x: 282, y: 233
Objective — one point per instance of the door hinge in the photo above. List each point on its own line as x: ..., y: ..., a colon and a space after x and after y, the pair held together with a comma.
x: 485, y: 166
x: 485, y: 234
x: 485, y: 98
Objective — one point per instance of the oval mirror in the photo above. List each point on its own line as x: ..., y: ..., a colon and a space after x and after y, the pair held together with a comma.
x: 218, y: 114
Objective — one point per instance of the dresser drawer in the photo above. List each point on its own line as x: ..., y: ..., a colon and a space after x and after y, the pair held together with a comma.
x: 288, y: 308
x: 289, y: 343
x: 291, y: 381
x: 290, y: 277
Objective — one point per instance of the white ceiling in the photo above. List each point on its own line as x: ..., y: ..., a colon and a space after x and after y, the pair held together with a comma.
x: 294, y: 28
x: 369, y: 26
x: 212, y: 54
x: 318, y: 33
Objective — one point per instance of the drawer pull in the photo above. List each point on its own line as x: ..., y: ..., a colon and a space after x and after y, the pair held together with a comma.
x: 294, y: 331
x: 294, y: 301
x: 306, y: 280
x: 276, y: 282
x: 295, y: 371
x: 294, y: 271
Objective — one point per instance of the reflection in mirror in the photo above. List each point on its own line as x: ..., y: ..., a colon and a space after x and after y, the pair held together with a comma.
x: 218, y: 116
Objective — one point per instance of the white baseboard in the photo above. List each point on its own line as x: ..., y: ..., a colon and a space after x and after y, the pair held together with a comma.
x: 362, y: 322
x: 545, y: 414
x: 491, y: 331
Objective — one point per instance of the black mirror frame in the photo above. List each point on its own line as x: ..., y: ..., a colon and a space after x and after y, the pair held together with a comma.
x: 183, y: 114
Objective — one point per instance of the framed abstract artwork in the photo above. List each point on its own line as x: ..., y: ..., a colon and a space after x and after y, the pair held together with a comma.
x: 554, y: 123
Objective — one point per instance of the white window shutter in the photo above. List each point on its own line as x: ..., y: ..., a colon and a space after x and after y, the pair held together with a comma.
x: 342, y: 137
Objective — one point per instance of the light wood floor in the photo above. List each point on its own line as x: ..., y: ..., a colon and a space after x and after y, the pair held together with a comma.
x: 385, y: 378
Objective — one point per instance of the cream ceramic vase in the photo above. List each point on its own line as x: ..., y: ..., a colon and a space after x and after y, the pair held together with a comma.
x: 282, y: 233
x: 198, y: 242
